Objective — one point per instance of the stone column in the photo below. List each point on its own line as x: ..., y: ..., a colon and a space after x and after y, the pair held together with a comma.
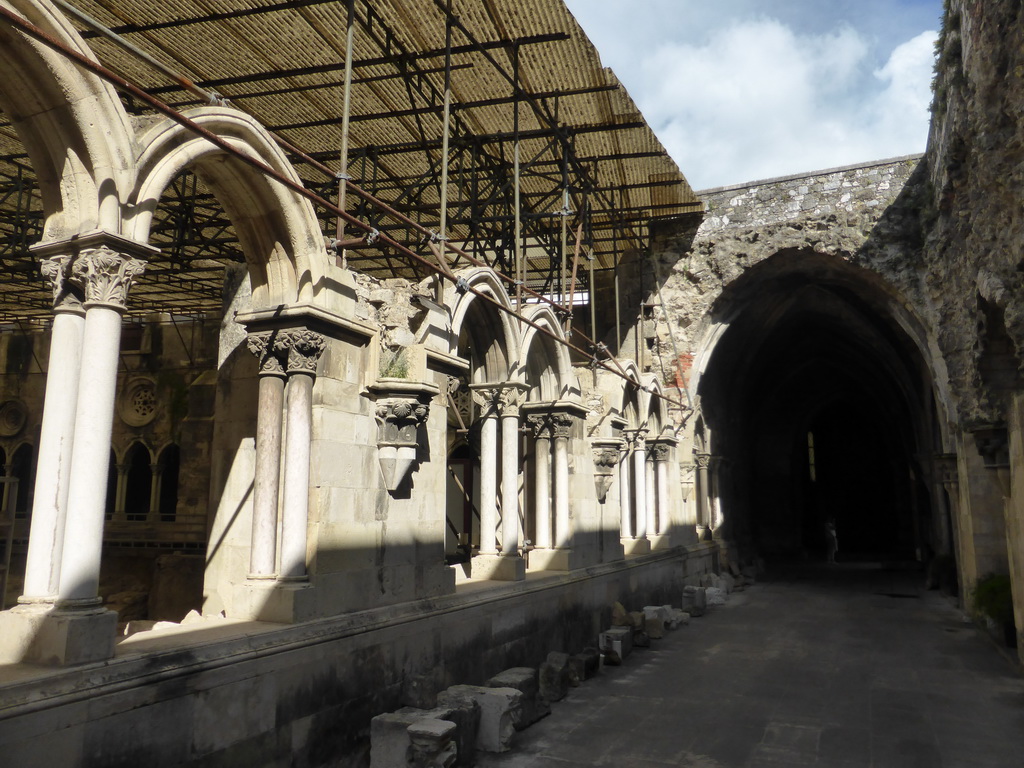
x: 541, y: 425
x: 703, y: 495
x: 105, y: 277
x: 625, y: 488
x: 511, y: 400
x: 661, y: 454
x: 263, y: 547
x: 640, y: 482
x: 563, y: 527
x: 304, y: 350
x: 49, y: 508
x: 652, y: 494
x: 488, y: 471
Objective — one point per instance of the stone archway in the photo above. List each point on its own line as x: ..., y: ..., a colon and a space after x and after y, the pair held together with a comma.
x: 820, y: 401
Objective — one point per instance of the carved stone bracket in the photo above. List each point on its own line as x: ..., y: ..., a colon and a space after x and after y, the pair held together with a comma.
x: 994, y: 446
x: 402, y: 409
x: 606, y: 453
x: 105, y: 276
x: 946, y: 470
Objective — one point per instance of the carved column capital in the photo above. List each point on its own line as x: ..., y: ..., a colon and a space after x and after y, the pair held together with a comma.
x: 541, y: 425
x: 510, y: 400
x: 303, y: 349
x: 703, y: 460
x: 562, y: 424
x: 105, y: 276
x: 67, y: 297
x: 639, y: 439
x: 660, y: 450
x: 267, y: 356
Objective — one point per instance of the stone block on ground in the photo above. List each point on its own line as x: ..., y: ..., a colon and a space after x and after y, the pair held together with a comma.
x: 587, y: 663
x: 500, y: 709
x: 637, y: 619
x: 526, y: 681
x: 617, y: 639
x: 677, y: 618
x: 464, y: 711
x: 727, y: 582
x: 695, y: 600
x: 554, y: 677
x: 716, y: 596
x: 389, y: 738
x: 432, y: 744
x: 710, y: 580
x: 641, y: 639
x: 619, y: 616
x: 655, y: 628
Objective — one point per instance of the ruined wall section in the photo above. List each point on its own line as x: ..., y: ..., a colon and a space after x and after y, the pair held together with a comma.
x: 864, y: 215
x: 976, y: 225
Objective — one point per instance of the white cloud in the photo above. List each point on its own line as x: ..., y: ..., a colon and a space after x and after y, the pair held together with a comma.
x: 739, y: 100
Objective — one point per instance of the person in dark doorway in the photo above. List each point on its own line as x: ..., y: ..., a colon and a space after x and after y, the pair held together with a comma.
x: 831, y: 540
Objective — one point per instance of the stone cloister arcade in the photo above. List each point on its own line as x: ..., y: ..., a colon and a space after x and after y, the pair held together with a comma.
x: 327, y: 465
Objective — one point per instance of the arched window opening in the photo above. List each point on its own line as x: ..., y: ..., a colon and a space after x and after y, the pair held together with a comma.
x: 111, y: 487
x: 170, y: 462
x: 23, y: 467
x: 138, y: 483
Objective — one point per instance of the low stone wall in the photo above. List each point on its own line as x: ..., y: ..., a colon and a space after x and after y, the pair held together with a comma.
x: 231, y: 693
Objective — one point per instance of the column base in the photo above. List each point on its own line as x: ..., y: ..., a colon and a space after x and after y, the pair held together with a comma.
x: 42, y: 634
x: 499, y: 568
x: 550, y: 560
x: 660, y: 541
x: 636, y: 546
x: 280, y: 602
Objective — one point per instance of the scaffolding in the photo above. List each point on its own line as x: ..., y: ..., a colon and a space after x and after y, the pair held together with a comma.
x: 461, y: 131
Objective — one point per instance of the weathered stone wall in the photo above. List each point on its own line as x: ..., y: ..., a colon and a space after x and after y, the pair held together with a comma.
x: 976, y: 173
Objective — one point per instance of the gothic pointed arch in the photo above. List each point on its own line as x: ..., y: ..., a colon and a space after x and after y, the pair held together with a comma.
x: 547, y: 367
x: 277, y: 228
x: 480, y: 327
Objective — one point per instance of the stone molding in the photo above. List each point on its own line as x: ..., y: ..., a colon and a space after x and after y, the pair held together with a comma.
x: 105, y: 276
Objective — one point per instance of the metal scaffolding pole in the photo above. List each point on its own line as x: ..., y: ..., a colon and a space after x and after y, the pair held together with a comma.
x: 346, y: 105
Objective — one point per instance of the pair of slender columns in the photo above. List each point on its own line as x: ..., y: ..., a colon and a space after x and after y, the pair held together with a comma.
x: 633, y: 485
x: 499, y: 403
x: 90, y: 291
x: 287, y: 360
x: 551, y: 436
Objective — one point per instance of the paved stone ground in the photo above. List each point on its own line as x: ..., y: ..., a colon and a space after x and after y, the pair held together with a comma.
x: 845, y: 666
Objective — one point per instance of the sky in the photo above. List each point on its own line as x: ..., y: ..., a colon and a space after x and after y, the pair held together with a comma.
x: 741, y: 90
